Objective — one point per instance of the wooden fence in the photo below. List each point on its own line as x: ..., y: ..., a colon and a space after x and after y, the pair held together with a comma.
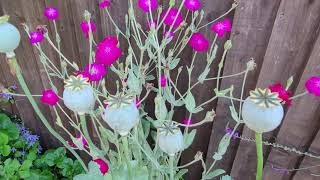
x: 281, y: 35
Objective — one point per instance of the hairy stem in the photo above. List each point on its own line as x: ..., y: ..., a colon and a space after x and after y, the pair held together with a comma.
x: 259, y: 156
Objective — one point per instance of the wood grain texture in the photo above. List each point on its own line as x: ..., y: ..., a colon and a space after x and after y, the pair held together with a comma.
x: 251, y: 32
x: 290, y: 44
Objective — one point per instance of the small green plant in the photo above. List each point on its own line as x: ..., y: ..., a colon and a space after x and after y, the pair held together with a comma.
x: 21, y: 158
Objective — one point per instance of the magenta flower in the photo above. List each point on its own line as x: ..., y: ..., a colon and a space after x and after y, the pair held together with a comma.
x: 104, y: 167
x: 173, y: 14
x: 187, y: 122
x: 96, y: 72
x: 192, y: 5
x: 198, y: 42
x: 51, y: 13
x: 107, y: 54
x: 84, y: 74
x: 283, y: 93
x: 36, y: 37
x: 221, y: 27
x: 83, y: 140
x: 313, y: 85
x: 163, y: 81
x: 104, y: 4
x: 85, y: 27
x: 145, y: 5
x: 49, y: 97
x: 110, y: 40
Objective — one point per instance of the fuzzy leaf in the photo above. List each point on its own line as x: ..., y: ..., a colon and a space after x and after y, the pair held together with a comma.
x: 188, y: 138
x: 214, y: 173
x: 160, y: 108
x: 174, y: 63
x: 190, y: 102
x: 234, y: 113
x: 204, y: 75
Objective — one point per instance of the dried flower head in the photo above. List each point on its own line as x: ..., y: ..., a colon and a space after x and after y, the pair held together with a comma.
x: 265, y: 98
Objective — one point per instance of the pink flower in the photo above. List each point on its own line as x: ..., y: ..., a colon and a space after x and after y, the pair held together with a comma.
x: 104, y: 4
x: 198, y: 42
x: 111, y: 40
x: 107, y: 54
x: 96, y: 72
x: 145, y: 5
x: 168, y: 34
x: 36, y: 37
x: 221, y: 27
x: 83, y: 140
x: 163, y: 81
x: 49, y: 97
x: 173, y: 14
x: 85, y: 27
x: 313, y: 85
x: 187, y: 122
x: 192, y: 5
x: 104, y: 168
x: 283, y: 93
x: 51, y: 13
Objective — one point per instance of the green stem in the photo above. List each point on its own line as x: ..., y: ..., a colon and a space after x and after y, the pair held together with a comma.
x: 16, y: 69
x: 259, y: 156
x: 127, y: 157
x: 171, y: 160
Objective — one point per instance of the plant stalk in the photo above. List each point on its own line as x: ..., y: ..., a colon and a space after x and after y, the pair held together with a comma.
x: 259, y: 156
x: 171, y: 160
x: 127, y: 157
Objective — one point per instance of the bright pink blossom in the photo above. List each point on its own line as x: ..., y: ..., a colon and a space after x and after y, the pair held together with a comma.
x: 49, y: 97
x: 107, y: 54
x: 163, y: 81
x: 137, y: 102
x: 198, y: 42
x: 104, y: 168
x: 187, y: 122
x: 84, y: 74
x: 313, y: 85
x: 83, y: 140
x: 110, y: 40
x: 36, y: 37
x: 192, y: 5
x: 221, y: 27
x: 145, y: 5
x: 96, y: 71
x: 174, y: 17
x: 104, y: 4
x: 85, y: 27
x: 284, y: 94
x: 51, y: 13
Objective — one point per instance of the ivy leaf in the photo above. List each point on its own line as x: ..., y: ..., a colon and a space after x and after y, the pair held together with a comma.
x: 5, y: 150
x: 190, y: 102
x: 4, y: 139
x: 188, y: 138
x: 214, y: 173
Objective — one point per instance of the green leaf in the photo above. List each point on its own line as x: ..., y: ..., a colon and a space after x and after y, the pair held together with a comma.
x: 234, y: 113
x: 204, y: 75
x: 190, y: 102
x: 8, y: 127
x: 26, y: 165
x: 173, y: 64
x: 4, y: 139
x: 180, y: 173
x: 214, y: 173
x: 93, y: 173
x: 24, y: 174
x: 188, y: 138
x: 134, y: 83
x: 5, y: 150
x: 160, y: 108
x: 107, y: 134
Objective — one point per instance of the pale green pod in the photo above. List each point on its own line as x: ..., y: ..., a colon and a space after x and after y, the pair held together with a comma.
x: 9, y: 37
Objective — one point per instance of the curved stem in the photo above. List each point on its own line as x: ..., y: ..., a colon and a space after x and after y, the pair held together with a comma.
x: 16, y: 69
x: 259, y: 156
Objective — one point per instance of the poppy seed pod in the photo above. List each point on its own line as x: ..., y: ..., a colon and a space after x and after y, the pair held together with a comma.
x: 170, y: 139
x: 9, y: 35
x: 262, y: 111
x: 78, y: 95
x: 121, y: 114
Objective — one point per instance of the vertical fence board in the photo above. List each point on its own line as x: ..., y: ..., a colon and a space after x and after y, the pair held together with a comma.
x: 289, y: 46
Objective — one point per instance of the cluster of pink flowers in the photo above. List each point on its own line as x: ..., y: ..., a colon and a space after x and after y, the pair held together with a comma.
x: 94, y: 72
x: 313, y: 85
x: 49, y: 97
x: 86, y: 28
x: 284, y: 94
x: 108, y: 51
